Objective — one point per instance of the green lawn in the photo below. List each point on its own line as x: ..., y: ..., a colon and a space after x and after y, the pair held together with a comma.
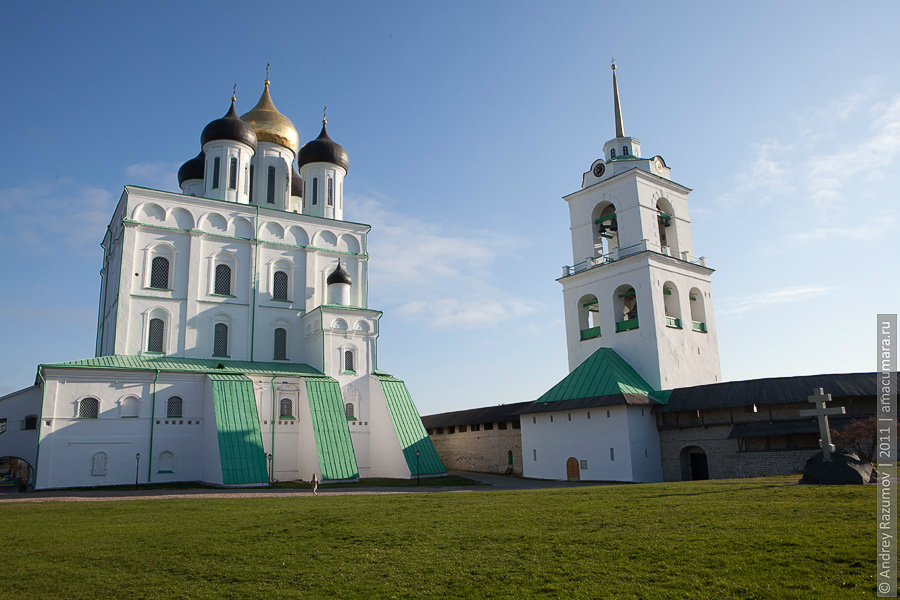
x: 719, y: 539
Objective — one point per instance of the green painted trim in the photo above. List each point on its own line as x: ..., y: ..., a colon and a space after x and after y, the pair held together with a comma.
x: 334, y: 446
x: 164, y: 471
x: 627, y: 325
x: 603, y: 373
x: 190, y: 365
x: 698, y: 326
x: 604, y: 219
x: 627, y: 294
x: 152, y: 421
x: 410, y: 432
x: 223, y: 303
x: 673, y: 322
x: 241, y: 452
x: 255, y: 284
x: 223, y: 295
x: 590, y: 333
x: 357, y: 308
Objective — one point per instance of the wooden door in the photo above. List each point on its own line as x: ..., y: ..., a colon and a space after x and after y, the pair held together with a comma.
x: 572, y: 473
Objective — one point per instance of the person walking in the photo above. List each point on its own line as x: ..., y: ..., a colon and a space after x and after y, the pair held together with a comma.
x: 315, y: 484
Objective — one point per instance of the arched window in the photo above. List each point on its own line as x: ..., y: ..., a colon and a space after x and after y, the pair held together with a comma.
x: 166, y: 462
x: 606, y: 229
x: 589, y: 317
x: 330, y: 191
x: 215, y: 181
x: 624, y: 150
x: 155, y: 335
x: 30, y: 423
x: 131, y: 407
x: 159, y: 273
x: 252, y: 173
x: 270, y: 186
x: 672, y: 305
x: 664, y: 214
x: 280, y: 286
x: 220, y: 340
x: 280, y: 352
x: 174, y: 407
x: 698, y: 311
x: 315, y: 194
x: 348, y: 362
x: 625, y: 302
x: 612, y: 153
x: 287, y: 408
x: 98, y: 464
x: 349, y: 410
x: 232, y: 174
x: 89, y: 408
x: 223, y: 280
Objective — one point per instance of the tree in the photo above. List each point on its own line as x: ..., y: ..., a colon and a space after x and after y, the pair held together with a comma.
x: 858, y: 436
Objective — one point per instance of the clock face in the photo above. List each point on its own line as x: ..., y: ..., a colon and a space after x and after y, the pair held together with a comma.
x: 599, y: 169
x: 658, y: 163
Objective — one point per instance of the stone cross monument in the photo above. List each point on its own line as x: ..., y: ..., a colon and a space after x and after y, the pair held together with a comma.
x: 819, y: 398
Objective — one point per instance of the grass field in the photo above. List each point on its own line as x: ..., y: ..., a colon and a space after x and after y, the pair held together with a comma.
x: 716, y: 539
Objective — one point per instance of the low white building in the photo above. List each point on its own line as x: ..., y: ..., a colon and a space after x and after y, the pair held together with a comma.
x: 234, y: 341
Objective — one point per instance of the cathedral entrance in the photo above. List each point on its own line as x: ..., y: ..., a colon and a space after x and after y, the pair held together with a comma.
x: 694, y: 464
x: 572, y: 471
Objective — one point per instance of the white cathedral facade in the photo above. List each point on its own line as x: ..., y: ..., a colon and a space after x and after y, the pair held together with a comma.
x: 234, y: 343
x: 638, y: 318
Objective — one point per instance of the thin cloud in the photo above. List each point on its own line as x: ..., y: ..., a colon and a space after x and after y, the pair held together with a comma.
x: 438, y: 277
x: 730, y: 306
x: 156, y: 175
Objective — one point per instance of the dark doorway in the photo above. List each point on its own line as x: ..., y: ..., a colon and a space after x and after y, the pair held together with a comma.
x: 699, y: 467
x: 694, y: 464
x: 572, y: 471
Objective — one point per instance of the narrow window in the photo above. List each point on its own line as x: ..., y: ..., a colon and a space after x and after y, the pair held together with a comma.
x: 607, y: 414
x: 232, y: 174
x: 215, y: 181
x: 589, y: 414
x: 270, y: 186
x: 551, y: 418
x: 534, y: 454
x: 30, y: 423
x: 89, y: 408
x: 2, y: 425
x: 348, y: 410
x: 612, y: 454
x: 315, y: 191
x: 509, y: 457
x: 280, y: 286
x: 173, y: 407
x: 251, y: 183
x: 348, y: 361
x: 159, y: 273
x: 223, y: 280
x: 220, y: 340
x: 155, y: 335
x: 570, y: 416
x: 246, y: 180
x: 287, y: 408
x: 612, y: 152
x: 534, y: 420
x: 280, y: 344
x: 624, y: 150
x: 330, y: 191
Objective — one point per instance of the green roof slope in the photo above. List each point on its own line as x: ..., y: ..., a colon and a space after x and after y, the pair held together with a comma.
x: 603, y: 373
x: 409, y: 428
x: 190, y: 365
x: 329, y: 421
x: 237, y: 423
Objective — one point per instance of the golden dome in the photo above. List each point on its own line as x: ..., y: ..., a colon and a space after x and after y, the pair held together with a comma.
x: 270, y: 125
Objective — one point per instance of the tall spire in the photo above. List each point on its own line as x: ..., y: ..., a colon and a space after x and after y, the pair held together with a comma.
x: 620, y: 126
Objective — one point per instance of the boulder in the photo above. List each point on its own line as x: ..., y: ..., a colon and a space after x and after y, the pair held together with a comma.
x: 845, y: 468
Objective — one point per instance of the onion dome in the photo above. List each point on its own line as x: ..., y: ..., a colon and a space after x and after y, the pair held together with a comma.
x: 339, y: 275
x: 192, y: 169
x: 323, y: 149
x: 270, y: 125
x: 229, y: 127
x: 296, y: 183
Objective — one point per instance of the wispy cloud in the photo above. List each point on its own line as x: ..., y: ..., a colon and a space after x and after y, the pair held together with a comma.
x: 823, y: 165
x: 157, y: 175
x: 439, y: 277
x: 752, y: 302
x: 58, y: 216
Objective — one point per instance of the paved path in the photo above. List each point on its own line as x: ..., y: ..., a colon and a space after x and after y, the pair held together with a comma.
x: 9, y: 494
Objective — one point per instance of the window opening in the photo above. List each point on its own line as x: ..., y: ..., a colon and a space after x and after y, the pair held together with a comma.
x: 89, y: 408
x: 280, y: 285
x: 270, y: 186
x: 612, y: 153
x: 220, y: 340
x: 330, y: 191
x: 348, y: 361
x: 223, y: 280
x: 30, y: 423
x: 215, y: 181
x: 232, y: 174
x: 315, y: 196
x: 280, y: 344
x: 155, y: 335
x: 174, y: 406
x: 251, y: 183
x: 287, y: 408
x: 159, y: 273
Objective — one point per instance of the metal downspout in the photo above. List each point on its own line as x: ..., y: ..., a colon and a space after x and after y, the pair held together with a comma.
x: 255, y: 284
x: 152, y: 421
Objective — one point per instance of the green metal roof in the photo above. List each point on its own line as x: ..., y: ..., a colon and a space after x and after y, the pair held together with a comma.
x: 190, y: 365
x: 409, y: 428
x: 241, y: 451
x: 603, y: 373
x: 336, y: 456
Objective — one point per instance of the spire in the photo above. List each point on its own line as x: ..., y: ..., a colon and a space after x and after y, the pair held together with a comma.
x: 620, y: 127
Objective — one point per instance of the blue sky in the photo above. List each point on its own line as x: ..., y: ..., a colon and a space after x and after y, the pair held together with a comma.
x: 465, y: 123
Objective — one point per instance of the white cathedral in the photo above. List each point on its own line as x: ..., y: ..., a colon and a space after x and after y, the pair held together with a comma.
x: 235, y: 344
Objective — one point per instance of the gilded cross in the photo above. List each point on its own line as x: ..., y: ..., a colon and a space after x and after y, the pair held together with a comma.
x: 819, y: 398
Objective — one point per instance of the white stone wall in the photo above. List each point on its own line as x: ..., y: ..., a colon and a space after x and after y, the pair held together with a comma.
x: 483, y: 451
x: 16, y: 440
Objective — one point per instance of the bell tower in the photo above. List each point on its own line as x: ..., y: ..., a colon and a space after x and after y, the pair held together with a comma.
x: 635, y: 284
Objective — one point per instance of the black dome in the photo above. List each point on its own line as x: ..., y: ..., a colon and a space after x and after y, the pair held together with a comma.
x: 229, y: 127
x: 192, y: 169
x: 296, y: 183
x: 323, y: 149
x: 339, y: 275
